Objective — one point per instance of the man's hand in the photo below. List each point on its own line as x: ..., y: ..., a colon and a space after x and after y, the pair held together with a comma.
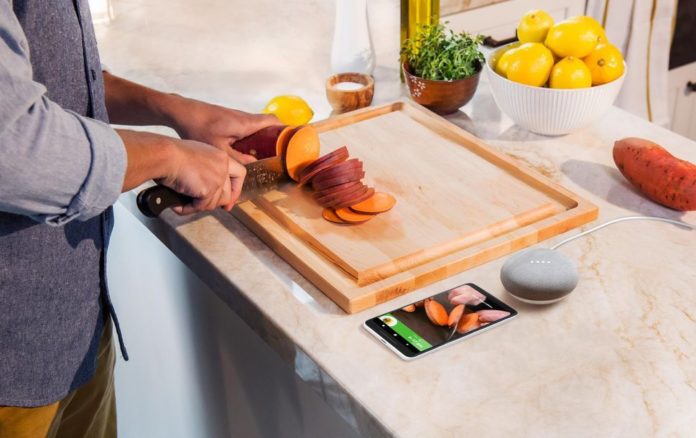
x: 216, y: 125
x: 196, y: 169
x: 129, y: 103
x: 206, y: 174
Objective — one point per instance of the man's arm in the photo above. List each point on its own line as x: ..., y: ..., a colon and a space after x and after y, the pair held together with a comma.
x: 129, y: 103
x: 56, y: 166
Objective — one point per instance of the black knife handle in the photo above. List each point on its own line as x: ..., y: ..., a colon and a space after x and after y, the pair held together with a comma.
x: 154, y: 200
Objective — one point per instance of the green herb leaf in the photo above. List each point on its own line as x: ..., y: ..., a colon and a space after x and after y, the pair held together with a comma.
x: 439, y: 54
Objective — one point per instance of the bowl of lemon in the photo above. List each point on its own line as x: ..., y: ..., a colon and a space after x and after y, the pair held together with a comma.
x: 559, y: 77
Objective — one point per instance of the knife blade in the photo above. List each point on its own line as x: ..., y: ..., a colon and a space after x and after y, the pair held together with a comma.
x: 262, y: 176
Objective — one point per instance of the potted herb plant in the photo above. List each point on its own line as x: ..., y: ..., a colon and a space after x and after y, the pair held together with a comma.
x: 442, y: 67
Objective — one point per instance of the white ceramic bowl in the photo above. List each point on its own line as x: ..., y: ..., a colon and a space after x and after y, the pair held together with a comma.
x: 550, y: 111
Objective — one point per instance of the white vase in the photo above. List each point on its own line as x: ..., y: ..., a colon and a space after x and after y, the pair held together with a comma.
x: 352, y: 49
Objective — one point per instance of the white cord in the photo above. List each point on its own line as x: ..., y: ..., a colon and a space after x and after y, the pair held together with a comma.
x: 621, y: 219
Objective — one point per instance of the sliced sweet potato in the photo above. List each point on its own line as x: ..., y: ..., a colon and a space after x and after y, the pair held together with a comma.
x: 348, y: 215
x: 349, y: 192
x: 436, y: 312
x: 469, y: 322
x: 261, y: 144
x: 284, y: 139
x: 346, y: 200
x: 455, y: 314
x: 323, y: 185
x: 330, y: 215
x: 358, y: 198
x: 378, y: 203
x: 303, y: 148
x: 345, y: 168
x: 308, y: 174
x: 410, y: 308
x: 333, y: 201
x: 316, y: 166
x: 337, y: 189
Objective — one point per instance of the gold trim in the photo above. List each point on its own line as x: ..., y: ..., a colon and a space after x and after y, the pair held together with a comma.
x: 647, y: 65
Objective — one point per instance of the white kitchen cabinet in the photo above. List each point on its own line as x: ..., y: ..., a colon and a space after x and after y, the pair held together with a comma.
x: 500, y: 20
x: 682, y: 101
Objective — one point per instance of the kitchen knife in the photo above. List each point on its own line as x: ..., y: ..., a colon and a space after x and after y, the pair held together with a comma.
x: 262, y: 176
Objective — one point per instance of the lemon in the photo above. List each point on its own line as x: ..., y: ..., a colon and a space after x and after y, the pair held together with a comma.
x: 290, y: 110
x: 605, y: 63
x: 570, y: 72
x: 534, y: 26
x: 530, y: 64
x: 572, y: 38
x: 592, y: 23
x: 503, y: 62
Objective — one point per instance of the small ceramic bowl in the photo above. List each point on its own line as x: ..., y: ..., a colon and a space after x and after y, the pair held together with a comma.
x: 442, y: 97
x: 344, y: 100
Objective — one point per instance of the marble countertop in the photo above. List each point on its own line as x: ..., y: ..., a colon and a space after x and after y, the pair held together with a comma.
x: 616, y: 358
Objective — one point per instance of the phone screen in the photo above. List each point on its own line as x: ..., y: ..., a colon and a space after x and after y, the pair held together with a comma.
x: 425, y: 325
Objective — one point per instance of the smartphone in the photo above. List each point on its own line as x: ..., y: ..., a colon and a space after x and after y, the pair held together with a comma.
x: 443, y: 319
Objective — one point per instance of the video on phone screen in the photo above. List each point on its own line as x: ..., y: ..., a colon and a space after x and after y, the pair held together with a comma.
x: 442, y: 318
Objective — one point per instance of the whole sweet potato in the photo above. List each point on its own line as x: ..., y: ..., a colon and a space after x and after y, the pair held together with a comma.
x: 658, y: 174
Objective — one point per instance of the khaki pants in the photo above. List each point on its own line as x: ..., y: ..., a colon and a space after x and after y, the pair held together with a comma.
x: 89, y: 411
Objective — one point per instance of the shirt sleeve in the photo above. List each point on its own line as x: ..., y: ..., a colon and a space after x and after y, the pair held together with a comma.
x: 55, y: 166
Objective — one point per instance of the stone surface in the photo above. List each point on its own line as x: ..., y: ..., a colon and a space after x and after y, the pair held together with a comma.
x: 615, y: 358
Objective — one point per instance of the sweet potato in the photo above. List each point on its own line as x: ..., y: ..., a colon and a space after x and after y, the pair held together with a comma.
x: 332, y: 200
x: 352, y: 217
x: 352, y: 166
x: 337, y: 189
x: 468, y: 322
x: 261, y: 144
x: 321, y: 163
x: 322, y: 185
x: 356, y: 199
x: 436, y: 312
x: 455, y: 315
x: 303, y: 148
x: 378, y: 203
x: 330, y: 215
x: 658, y: 174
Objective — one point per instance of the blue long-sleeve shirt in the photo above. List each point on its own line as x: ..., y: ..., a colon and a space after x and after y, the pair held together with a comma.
x: 55, y: 165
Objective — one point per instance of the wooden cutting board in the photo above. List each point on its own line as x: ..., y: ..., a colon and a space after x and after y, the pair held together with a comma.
x: 460, y: 203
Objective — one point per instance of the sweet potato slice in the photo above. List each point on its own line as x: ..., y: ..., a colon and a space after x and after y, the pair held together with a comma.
x: 345, y: 168
x: 348, y: 215
x: 303, y: 148
x: 378, y: 203
x: 347, y: 192
x: 261, y: 144
x: 323, y: 185
x: 469, y: 322
x: 284, y: 139
x: 307, y: 174
x: 455, y: 314
x: 337, y: 189
x: 436, y: 312
x: 330, y: 215
x: 410, y: 308
x: 321, y: 163
x: 345, y: 200
x: 358, y: 198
